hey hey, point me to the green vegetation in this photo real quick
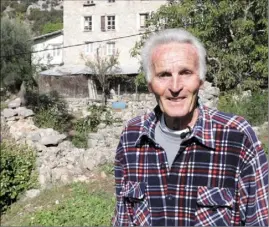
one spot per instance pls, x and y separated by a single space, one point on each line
46 21
254 108
16 46
234 32
50 111
78 204
82 127
17 172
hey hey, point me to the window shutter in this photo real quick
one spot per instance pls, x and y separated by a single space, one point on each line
103 23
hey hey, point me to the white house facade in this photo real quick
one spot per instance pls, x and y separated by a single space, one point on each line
47 49
104 25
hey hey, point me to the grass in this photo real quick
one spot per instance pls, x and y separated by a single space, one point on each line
77 204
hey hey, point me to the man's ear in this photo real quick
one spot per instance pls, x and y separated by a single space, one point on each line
149 87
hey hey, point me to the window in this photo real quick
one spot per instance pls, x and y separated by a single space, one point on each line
88 23
108 23
110 48
88 48
56 50
89 3
143 19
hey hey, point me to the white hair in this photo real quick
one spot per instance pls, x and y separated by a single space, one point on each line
167 36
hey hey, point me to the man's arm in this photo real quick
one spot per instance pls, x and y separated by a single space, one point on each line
253 189
121 217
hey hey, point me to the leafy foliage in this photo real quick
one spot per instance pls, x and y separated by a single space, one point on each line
50 111
82 127
234 33
15 55
51 27
82 209
17 171
254 108
46 21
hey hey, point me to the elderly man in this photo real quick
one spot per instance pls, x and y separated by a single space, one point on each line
185 164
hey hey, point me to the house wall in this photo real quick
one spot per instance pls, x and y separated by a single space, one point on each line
66 86
127 23
49 57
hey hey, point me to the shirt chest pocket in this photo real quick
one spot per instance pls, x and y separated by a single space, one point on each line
214 206
134 194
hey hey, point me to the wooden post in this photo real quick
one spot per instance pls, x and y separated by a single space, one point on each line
118 90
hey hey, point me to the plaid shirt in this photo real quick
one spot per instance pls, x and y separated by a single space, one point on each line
218 178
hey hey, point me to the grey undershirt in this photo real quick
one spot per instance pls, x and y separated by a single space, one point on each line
168 139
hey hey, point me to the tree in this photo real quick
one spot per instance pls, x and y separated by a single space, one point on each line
16 46
234 33
103 69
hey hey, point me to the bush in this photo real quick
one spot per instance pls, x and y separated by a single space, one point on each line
16 171
254 108
50 111
88 124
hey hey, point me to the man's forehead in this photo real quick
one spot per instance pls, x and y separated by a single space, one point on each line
172 52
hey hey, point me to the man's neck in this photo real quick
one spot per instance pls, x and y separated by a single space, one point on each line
181 123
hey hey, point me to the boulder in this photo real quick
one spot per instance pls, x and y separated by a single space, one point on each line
14 103
32 193
22 111
52 139
7 113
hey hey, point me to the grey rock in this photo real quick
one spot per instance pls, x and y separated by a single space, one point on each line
32 193
52 139
22 111
7 113
14 103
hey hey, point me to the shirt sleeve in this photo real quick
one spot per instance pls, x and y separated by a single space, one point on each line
253 188
121 217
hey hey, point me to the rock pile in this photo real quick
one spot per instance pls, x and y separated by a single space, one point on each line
58 160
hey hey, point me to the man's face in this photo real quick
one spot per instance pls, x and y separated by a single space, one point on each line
175 78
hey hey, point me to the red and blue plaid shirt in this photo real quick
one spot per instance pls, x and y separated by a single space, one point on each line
218 178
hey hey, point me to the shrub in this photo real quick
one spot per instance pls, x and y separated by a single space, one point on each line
16 171
254 108
50 111
88 124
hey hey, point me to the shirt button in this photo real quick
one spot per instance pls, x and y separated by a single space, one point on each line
163 166
170 197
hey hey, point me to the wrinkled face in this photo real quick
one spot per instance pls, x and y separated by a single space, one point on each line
175 78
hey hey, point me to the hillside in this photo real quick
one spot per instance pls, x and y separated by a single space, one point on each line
41 16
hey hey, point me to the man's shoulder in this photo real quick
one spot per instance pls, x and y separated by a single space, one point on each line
231 122
140 120
227 119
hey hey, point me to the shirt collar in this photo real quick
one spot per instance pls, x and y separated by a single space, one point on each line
202 130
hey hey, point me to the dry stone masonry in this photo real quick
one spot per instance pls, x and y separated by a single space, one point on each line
58 160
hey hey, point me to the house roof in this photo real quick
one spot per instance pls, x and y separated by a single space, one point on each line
59 32
65 70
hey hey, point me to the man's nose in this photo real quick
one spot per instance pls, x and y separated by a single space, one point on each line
175 84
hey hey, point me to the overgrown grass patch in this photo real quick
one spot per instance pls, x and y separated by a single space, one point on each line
78 204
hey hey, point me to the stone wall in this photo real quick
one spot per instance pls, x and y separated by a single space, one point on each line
143 101
58 160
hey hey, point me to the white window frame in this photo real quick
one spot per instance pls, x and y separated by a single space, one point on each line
143 17
110 48
111 19
87 19
108 23
88 48
56 50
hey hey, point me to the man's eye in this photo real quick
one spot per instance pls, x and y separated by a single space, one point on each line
185 72
164 74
